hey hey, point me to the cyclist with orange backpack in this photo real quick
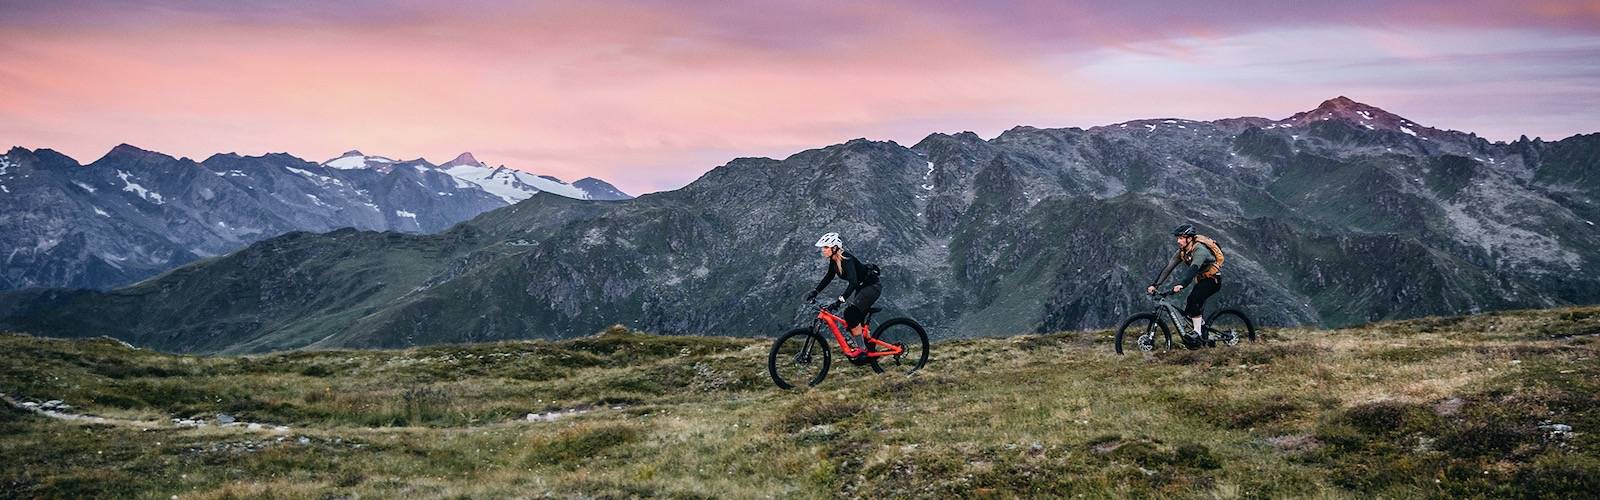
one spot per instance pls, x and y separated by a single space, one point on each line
1201 261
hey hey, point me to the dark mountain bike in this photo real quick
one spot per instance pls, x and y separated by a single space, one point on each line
801 356
1150 330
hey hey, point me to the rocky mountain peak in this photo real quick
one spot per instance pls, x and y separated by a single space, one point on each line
127 153
463 159
1349 110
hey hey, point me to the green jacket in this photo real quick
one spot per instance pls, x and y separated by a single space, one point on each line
1200 257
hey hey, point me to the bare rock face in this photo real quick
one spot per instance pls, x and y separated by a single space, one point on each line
1340 215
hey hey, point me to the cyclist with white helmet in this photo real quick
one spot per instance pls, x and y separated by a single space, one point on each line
862 288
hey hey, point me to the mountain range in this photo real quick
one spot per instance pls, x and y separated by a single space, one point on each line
134 213
1340 215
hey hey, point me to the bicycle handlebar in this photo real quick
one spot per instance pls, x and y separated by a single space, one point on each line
829 306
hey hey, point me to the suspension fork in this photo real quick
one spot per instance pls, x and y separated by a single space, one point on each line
811 340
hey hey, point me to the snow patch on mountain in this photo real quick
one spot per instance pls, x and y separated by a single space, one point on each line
511 185
321 179
135 188
552 185
352 160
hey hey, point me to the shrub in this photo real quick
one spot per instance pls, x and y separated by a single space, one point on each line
573 445
814 409
423 404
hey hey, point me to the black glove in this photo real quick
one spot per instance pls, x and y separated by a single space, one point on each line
811 297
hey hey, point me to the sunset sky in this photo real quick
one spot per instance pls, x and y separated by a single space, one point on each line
649 95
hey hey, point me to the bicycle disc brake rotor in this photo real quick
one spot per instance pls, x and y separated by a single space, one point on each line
1229 337
1147 342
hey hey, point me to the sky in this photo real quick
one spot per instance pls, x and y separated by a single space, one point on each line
650 95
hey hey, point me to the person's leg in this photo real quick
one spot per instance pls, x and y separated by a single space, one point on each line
1193 308
853 317
863 299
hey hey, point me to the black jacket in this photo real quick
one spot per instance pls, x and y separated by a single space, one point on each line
855 274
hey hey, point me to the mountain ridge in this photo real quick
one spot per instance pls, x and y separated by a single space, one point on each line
1328 223
133 213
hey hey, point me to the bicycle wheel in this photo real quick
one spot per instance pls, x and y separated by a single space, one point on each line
799 356
1230 326
1142 332
912 340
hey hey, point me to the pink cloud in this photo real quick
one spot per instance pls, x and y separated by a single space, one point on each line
650 95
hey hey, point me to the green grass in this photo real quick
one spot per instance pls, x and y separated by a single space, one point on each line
1434 407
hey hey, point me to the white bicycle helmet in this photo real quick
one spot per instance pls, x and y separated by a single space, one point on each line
830 240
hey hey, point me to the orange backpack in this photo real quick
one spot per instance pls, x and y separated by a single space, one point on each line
1216 267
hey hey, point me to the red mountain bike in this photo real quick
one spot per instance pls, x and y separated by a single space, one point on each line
801 356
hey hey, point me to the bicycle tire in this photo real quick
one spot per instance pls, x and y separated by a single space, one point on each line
1141 322
912 338
791 345
1240 318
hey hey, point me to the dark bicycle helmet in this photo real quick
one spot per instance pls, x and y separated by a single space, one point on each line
1184 230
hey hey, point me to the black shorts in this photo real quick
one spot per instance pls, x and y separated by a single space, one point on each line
1203 289
857 304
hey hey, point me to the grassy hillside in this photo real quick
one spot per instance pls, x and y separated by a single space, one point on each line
1441 407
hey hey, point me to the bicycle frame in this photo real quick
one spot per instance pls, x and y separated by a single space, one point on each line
836 323
1175 314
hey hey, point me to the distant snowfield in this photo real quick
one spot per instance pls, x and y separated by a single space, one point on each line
505 183
352 162
512 185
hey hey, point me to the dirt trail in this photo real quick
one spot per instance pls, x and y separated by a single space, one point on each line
57 410
60 411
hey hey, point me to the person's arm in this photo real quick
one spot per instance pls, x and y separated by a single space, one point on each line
1204 259
1164 272
1198 260
826 279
